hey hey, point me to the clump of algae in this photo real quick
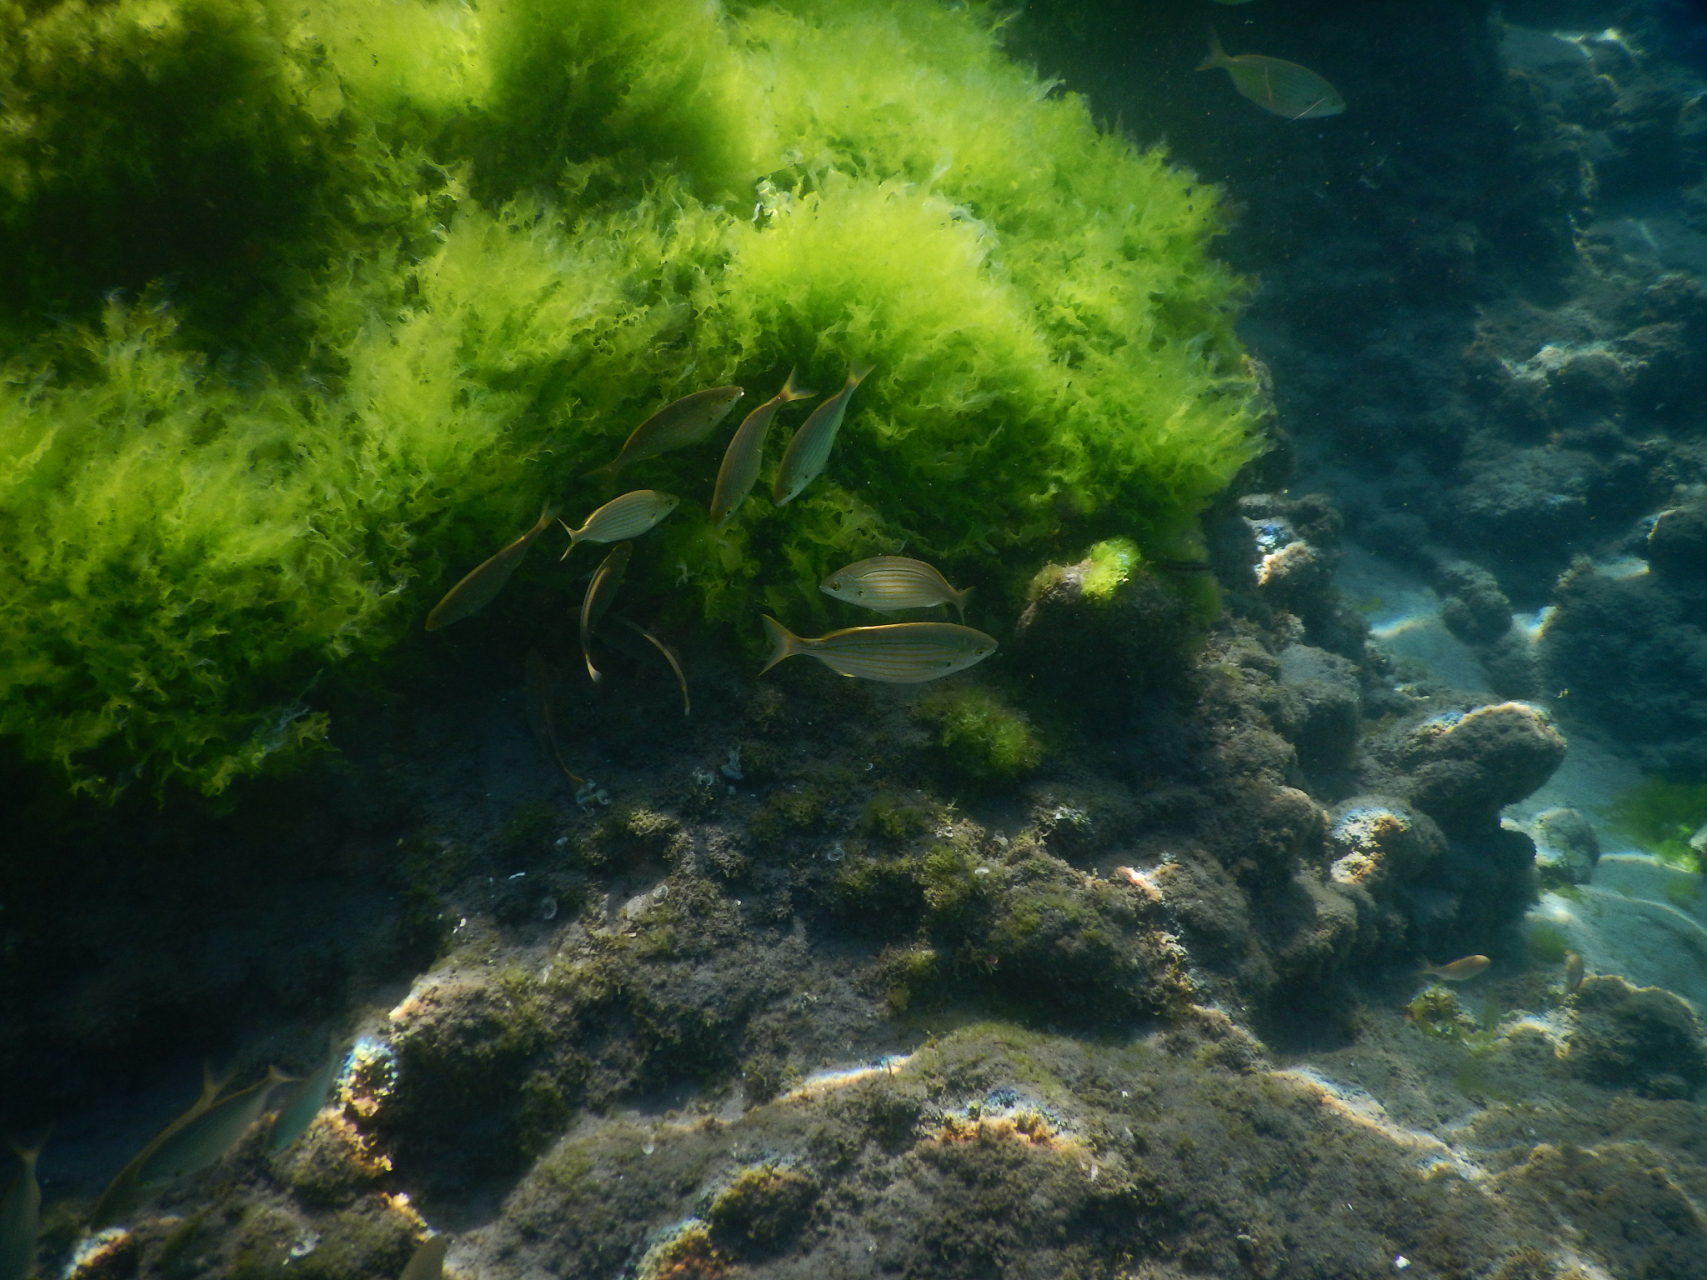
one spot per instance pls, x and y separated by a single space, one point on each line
314 304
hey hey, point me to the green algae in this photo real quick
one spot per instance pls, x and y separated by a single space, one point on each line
982 737
425 265
1661 817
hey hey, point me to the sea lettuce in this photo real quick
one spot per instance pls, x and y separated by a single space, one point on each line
313 304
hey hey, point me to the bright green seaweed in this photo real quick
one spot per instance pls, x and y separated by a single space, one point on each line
389 274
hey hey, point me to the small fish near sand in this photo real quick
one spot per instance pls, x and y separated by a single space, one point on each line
480 587
808 453
600 592
1458 971
675 426
888 583
623 518
20 1218
740 469
1285 88
900 653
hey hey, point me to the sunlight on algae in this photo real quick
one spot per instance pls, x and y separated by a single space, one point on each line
387 277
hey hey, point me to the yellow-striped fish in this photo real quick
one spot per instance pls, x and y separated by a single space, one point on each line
900 653
307 1100
746 450
622 518
669 657
125 1189
1284 88
1458 971
428 1263
803 461
210 1136
600 592
887 583
20 1218
478 589
676 425
540 687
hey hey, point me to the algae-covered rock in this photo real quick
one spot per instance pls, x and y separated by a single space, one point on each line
383 280
1639 1038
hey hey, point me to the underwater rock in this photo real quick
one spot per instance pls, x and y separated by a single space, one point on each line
1566 847
1375 841
1298 545
1103 631
1325 707
1462 768
1677 544
1474 608
1639 1038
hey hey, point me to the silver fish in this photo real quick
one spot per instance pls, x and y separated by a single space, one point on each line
600 591
20 1218
428 1262
887 583
207 1139
623 518
900 653
803 461
669 657
477 590
307 1100
1285 88
676 425
740 467
125 1189
541 686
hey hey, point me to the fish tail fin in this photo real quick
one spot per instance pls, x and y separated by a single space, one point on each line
1217 55
784 643
27 1155
609 469
547 514
859 370
791 392
574 537
959 600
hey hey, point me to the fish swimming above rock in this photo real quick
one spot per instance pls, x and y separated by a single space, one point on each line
600 592
478 588
669 657
195 1140
541 684
623 518
20 1218
887 583
1284 88
1458 971
675 426
900 653
740 469
307 1099
804 459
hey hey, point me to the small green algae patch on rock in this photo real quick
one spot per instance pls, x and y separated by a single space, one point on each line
425 266
1108 565
983 738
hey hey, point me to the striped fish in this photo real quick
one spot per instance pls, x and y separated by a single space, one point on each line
1285 88
746 450
676 425
900 653
482 585
600 592
622 518
803 461
887 583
